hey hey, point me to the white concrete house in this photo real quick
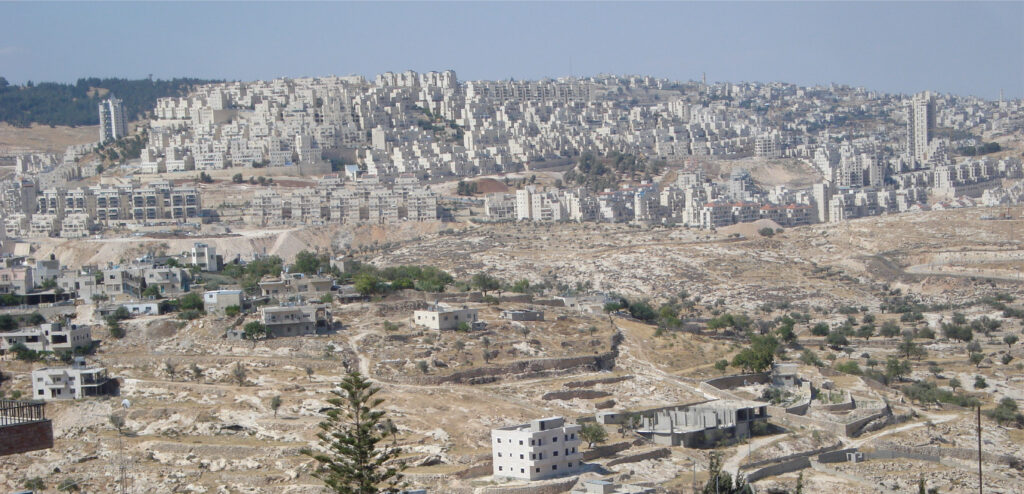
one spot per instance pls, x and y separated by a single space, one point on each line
539 449
49 337
444 317
68 383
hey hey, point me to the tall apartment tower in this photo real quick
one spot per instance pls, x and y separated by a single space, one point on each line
920 122
113 120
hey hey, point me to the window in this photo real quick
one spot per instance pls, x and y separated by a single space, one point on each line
554 467
570 464
520 457
522 470
499 455
538 469
555 453
499 439
533 456
521 442
501 468
554 439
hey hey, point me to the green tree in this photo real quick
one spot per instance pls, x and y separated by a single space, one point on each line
820 329
721 365
351 458
485 282
232 310
896 368
759 356
34 484
889 329
309 263
866 331
836 340
367 284
1010 339
197 372
8 323
275 403
976 358
255 330
152 291
980 382
191 301
593 433
1006 413
955 383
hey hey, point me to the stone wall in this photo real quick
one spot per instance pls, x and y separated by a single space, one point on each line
837 456
522 369
608 450
957 453
646 455
569 394
756 464
779 468
545 487
593 382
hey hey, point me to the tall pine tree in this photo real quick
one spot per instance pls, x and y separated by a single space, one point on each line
350 459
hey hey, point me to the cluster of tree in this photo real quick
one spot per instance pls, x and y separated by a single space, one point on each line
638 309
738 322
986 148
466 188
248 275
370 280
10 299
10 323
1006 413
311 263
925 392
602 173
52 103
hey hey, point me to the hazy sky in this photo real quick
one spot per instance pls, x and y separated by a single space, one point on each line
964 48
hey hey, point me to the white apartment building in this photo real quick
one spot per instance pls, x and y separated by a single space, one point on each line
539 449
920 122
68 383
48 337
205 256
113 120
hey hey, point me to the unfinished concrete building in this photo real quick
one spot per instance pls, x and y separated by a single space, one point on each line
702 424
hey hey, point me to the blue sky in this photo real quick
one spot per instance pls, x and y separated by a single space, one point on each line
965 48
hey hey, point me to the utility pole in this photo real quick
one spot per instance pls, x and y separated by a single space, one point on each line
980 485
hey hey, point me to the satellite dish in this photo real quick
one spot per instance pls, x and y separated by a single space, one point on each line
125 403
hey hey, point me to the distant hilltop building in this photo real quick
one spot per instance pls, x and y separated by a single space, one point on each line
113 120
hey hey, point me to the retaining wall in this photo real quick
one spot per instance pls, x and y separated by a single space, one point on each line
779 469
958 453
583 394
593 382
838 456
793 456
607 450
646 455
548 487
